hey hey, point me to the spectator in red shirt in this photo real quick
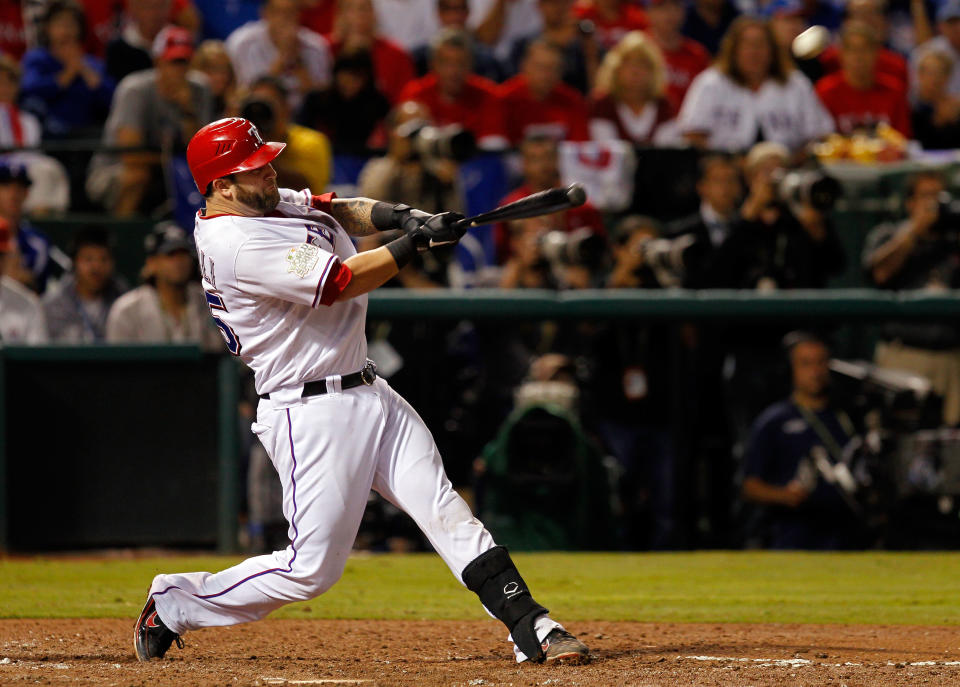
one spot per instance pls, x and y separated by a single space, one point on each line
103 18
612 19
630 104
684 57
541 171
858 97
318 15
355 29
454 95
889 62
537 102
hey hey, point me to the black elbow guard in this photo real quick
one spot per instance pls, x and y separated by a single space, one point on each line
495 579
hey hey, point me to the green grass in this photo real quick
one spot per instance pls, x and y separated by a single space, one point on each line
894 588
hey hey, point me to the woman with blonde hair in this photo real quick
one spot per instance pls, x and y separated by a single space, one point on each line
629 102
752 92
212 59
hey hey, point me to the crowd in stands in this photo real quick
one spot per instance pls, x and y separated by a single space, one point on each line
395 99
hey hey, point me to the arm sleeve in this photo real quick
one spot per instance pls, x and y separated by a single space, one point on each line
818 121
695 112
306 198
39 77
287 267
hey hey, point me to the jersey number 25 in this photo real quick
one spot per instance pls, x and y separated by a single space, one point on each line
215 303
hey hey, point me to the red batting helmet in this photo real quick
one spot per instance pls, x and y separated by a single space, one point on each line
227 146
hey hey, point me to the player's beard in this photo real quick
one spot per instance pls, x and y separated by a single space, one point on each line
262 202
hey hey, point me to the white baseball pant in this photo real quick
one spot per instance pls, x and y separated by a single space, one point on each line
329 451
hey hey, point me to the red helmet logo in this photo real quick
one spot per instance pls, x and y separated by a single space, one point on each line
225 147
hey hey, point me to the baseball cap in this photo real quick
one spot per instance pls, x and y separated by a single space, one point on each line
166 238
776 8
949 10
13 172
6 236
173 43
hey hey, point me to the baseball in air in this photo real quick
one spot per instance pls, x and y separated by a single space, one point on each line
811 43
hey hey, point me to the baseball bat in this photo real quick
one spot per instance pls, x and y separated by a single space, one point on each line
534 205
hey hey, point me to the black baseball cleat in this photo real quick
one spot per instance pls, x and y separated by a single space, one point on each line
151 638
562 647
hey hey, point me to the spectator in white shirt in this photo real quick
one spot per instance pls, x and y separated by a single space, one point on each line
277 45
752 93
948 25
21 316
171 307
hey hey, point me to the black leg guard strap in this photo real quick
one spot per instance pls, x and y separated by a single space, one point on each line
494 578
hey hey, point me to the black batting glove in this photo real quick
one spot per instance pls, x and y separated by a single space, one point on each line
439 230
386 216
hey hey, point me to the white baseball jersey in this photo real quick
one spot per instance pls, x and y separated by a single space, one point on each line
270 284
789 113
21 316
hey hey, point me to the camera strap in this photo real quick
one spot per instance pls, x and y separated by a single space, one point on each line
826 438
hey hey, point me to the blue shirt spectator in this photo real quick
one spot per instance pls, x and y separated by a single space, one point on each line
68 90
221 17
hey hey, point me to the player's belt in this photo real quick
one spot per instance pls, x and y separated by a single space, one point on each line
365 377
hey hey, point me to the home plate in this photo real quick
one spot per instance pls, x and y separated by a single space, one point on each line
320 681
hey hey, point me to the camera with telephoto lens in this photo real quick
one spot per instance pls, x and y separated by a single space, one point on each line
667 257
260 112
811 187
578 247
947 225
450 142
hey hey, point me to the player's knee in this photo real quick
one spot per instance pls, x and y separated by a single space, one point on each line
315 580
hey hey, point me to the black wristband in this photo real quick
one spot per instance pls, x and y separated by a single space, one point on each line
385 216
403 250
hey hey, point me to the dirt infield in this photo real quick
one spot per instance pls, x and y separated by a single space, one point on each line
348 652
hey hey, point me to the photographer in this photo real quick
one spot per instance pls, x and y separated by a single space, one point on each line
630 396
712 226
800 459
540 167
410 172
783 242
630 269
307 157
921 252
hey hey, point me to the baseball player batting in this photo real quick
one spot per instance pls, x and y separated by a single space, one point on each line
288 291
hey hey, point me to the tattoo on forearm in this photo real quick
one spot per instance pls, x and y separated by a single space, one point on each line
354 215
